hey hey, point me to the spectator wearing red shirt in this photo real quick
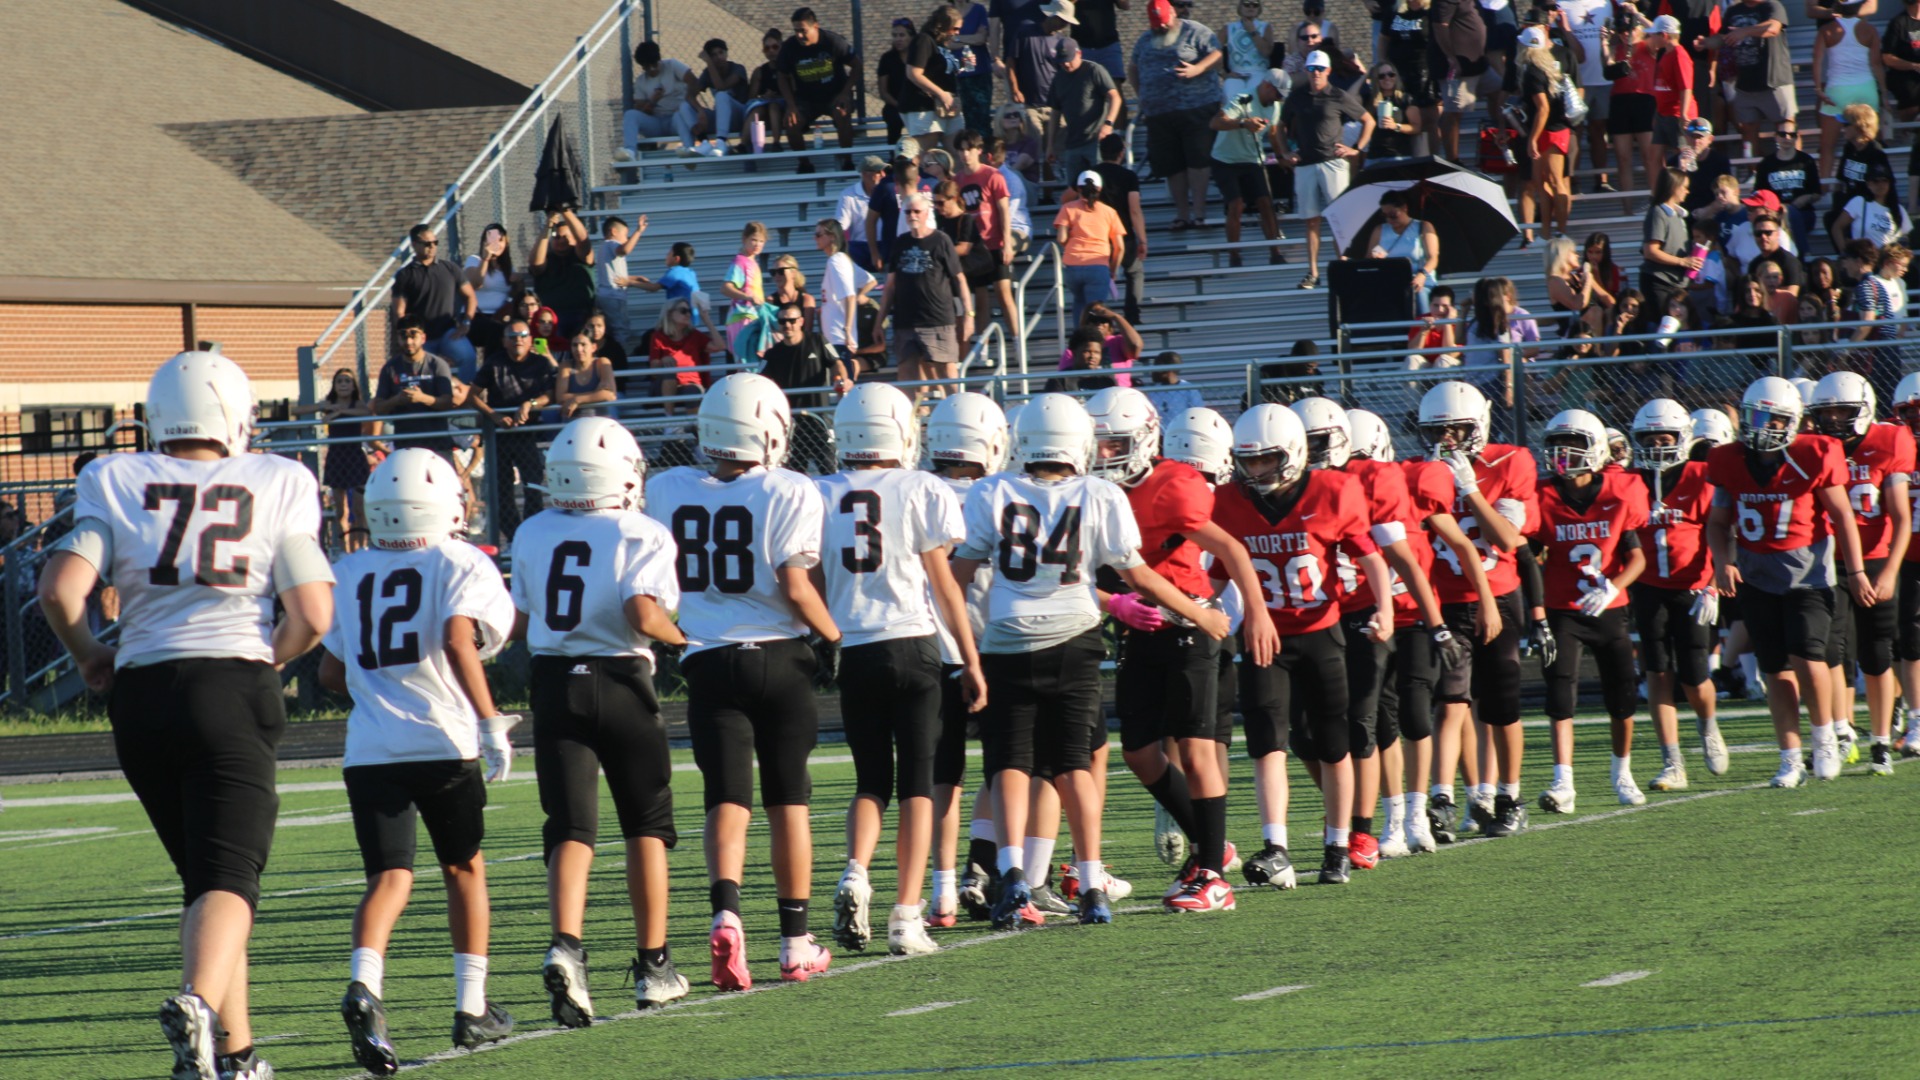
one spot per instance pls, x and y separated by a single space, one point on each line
674 343
1673 101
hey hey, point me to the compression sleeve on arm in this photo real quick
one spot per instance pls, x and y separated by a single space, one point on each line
299 561
92 540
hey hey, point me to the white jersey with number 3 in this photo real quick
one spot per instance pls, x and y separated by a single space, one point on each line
390 612
575 570
1045 540
730 536
878 524
194 546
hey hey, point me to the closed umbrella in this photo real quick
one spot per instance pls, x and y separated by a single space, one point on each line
559 183
1468 212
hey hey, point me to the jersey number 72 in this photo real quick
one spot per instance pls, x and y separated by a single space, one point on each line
185 498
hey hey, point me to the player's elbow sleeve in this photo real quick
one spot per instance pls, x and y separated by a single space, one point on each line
300 561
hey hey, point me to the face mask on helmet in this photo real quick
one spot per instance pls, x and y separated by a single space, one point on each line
1658 450
1266 473
1453 436
1908 413
1768 426
1572 455
1327 449
1841 421
1115 457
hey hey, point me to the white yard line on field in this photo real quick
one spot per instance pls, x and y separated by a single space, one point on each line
931 1006
1262 995
1616 979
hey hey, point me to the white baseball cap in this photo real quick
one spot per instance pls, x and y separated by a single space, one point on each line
1090 177
1665 24
1533 37
1318 59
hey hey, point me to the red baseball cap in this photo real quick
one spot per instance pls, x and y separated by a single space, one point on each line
1763 200
1160 14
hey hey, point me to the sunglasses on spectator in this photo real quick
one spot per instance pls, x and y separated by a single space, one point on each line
1766 232
790 322
428 243
519 333
1384 75
1309 37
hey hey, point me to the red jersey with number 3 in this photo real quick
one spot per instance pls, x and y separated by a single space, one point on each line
1885 450
1390 511
1507 476
1294 557
1584 543
1674 537
1429 492
1169 504
1777 514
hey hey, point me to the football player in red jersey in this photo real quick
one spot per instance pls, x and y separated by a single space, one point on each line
1589 514
1330 445
1291 520
1166 686
1906 411
1674 603
1770 490
1879 457
1496 506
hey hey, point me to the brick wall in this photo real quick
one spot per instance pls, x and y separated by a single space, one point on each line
45 347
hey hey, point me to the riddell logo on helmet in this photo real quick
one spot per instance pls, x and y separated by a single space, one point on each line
565 503
181 429
409 543
863 455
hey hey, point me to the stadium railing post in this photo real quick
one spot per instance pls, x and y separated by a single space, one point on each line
1784 352
16 623
308 373
589 148
1518 376
490 449
626 57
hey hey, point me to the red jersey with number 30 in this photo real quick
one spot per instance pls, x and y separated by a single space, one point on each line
1507 474
1777 514
1583 543
1674 540
1294 557
1391 513
1886 449
1429 492
1169 504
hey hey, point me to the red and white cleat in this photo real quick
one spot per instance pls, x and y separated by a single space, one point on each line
1206 891
803 963
728 943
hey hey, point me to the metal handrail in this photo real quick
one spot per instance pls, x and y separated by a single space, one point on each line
1050 253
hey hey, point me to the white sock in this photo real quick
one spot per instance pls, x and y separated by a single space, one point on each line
1416 806
982 829
1824 733
1511 791
1750 667
1883 740
1670 754
1441 790
1843 726
1274 834
1336 837
1622 767
945 884
1484 793
1789 757
470 978
1563 775
1093 874
1039 854
1396 812
370 970
1012 858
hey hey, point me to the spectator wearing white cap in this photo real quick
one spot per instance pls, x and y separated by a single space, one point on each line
1549 139
1245 128
1672 86
1085 103
851 211
1313 117
1092 240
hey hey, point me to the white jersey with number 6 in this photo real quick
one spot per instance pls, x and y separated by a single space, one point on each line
575 570
1044 540
194 547
390 612
878 524
730 536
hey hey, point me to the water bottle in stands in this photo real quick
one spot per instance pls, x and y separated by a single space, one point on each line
1668 325
757 135
1699 252
1688 161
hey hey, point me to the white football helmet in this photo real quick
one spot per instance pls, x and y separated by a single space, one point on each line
1576 443
414 500
1906 400
1662 416
1712 426
1843 405
1329 438
1770 414
1123 416
1371 439
875 422
1617 447
1203 439
595 464
1454 416
1270 429
1805 388
968 427
200 395
1053 429
745 417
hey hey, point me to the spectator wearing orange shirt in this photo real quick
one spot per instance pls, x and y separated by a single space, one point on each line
1091 243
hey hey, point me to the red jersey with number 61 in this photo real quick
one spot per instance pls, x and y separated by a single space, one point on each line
1429 492
1294 557
1777 514
1886 449
1391 513
1507 476
1677 554
1584 543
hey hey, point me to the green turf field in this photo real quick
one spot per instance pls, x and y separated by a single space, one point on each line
1765 928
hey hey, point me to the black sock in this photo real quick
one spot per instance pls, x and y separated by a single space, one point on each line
983 854
1170 791
1210 833
724 895
568 940
793 918
1363 823
239 1055
656 957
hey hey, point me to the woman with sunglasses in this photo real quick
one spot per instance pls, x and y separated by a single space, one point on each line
1249 43
1399 125
1406 44
674 343
764 101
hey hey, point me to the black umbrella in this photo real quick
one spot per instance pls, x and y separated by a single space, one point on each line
1468 212
559 183
1408 168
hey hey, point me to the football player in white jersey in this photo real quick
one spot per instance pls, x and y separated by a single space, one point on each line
416 614
593 580
747 536
889 528
199 537
1046 528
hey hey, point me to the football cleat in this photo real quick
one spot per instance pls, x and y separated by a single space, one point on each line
1094 909
804 962
654 986
1628 791
1014 909
1393 842
366 1021
1910 742
470 1030
1227 865
1270 867
1713 746
565 973
1882 763
248 1066
1826 758
1334 867
1672 778
1168 841
1207 891
908 937
1481 813
1050 902
942 919
1441 813
1791 775
1118 888
1509 816
191 1029
973 893
1849 742
1558 799
852 917
1069 876
728 944
1420 834
1363 851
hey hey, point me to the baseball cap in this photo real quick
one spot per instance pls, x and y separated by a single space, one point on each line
1533 37
1665 24
1318 61
1279 80
1069 50
1160 14
1090 177
1063 10
1763 200
1699 125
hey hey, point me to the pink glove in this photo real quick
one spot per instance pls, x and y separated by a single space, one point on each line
1135 612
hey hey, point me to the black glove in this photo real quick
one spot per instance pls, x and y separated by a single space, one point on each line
1451 651
826 660
1543 641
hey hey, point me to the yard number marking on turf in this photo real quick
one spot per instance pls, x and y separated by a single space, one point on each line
1617 978
1262 995
1809 813
929 1007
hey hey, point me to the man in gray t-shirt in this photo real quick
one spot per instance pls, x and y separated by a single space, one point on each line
1085 102
1176 66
